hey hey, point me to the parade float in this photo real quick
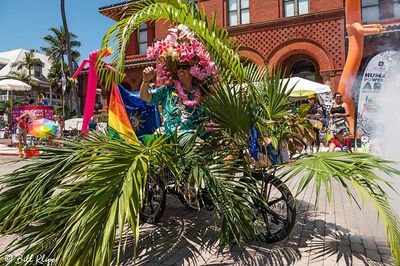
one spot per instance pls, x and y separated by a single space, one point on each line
103 183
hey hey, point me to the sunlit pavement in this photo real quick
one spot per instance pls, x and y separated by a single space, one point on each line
331 233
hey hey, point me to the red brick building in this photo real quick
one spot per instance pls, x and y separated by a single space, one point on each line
386 13
306 37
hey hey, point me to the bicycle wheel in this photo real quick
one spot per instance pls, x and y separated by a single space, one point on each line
279 217
154 202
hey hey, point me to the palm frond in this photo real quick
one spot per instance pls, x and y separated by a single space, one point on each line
357 174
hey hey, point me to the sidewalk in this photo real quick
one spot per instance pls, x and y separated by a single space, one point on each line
5 150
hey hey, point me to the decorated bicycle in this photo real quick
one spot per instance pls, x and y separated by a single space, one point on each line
106 184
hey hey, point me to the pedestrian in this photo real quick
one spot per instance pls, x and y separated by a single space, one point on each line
43 99
338 113
29 100
316 114
22 129
93 124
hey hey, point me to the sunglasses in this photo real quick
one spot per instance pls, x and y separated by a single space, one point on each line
338 97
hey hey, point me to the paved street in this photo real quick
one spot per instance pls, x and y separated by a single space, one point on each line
331 233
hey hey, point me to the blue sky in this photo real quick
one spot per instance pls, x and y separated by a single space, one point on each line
25 22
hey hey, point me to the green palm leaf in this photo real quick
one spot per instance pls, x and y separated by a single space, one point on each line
357 174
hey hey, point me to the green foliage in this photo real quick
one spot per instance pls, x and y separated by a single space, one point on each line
103 118
28 62
58 110
4 105
57 48
357 174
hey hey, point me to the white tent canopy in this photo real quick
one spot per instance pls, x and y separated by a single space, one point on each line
14 85
301 84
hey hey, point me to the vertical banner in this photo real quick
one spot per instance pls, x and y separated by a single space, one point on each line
374 83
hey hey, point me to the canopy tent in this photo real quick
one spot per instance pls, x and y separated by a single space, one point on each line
304 87
13 85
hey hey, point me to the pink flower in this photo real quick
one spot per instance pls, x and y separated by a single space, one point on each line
181 46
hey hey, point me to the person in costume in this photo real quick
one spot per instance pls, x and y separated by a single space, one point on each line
182 64
180 101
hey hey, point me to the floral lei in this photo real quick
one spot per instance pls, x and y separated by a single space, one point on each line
183 96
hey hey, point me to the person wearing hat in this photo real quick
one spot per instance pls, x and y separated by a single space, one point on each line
315 113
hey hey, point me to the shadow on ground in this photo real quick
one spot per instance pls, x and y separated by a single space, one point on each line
191 237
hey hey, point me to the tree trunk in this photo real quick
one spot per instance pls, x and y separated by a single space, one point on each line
75 100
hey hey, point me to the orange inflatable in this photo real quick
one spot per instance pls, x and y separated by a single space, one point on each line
356 32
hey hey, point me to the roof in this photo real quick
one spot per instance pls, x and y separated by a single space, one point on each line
115 11
12 56
138 62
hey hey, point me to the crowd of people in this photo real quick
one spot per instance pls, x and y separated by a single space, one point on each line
41 100
334 123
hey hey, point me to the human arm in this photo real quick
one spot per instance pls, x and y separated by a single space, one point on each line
148 75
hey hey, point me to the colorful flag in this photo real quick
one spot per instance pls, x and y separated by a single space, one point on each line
144 118
118 120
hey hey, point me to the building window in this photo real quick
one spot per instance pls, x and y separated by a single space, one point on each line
396 8
370 10
37 71
238 12
295 7
142 39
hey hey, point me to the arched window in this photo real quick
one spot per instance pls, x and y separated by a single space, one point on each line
303 69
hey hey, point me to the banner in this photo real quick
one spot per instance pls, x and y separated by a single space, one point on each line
36 111
370 124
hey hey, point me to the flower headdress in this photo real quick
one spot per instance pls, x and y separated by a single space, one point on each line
180 47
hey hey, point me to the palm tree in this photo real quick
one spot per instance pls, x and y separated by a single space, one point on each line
24 76
75 99
57 48
101 181
28 62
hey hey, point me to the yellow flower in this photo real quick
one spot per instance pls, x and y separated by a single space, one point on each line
175 55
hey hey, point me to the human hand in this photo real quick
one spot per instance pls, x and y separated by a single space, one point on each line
148 73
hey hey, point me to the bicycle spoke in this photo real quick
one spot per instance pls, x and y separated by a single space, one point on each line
272 202
277 216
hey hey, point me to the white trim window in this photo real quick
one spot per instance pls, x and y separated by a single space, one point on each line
142 38
238 12
295 7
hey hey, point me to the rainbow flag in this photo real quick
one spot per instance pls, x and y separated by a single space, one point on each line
119 124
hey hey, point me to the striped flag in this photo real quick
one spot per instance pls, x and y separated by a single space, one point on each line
118 121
